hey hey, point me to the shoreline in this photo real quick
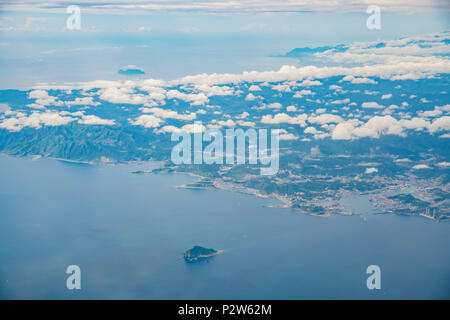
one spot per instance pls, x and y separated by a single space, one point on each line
217 184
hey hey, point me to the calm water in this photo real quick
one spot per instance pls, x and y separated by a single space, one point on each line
128 232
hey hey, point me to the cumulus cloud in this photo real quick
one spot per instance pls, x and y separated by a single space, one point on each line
250 97
312 130
124 95
284 118
414 124
282 87
193 128
192 98
355 80
215 90
254 87
94 120
291 108
344 131
147 121
42 98
85 101
325 118
382 125
420 166
275 105
287 136
168 129
243 115
243 123
444 164
440 124
371 170
217 124
302 93
373 128
35 120
320 110
309 83
165 113
437 111
189 128
372 105
343 101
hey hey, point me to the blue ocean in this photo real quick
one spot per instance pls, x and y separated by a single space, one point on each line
128 233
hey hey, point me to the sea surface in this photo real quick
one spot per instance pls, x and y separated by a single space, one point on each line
128 232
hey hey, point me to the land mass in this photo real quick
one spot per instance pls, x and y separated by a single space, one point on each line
198 253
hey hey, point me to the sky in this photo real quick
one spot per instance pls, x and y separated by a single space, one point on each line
154 55
172 39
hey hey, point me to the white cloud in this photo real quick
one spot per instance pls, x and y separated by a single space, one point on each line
309 83
420 166
275 105
355 80
440 124
215 90
371 170
147 121
193 128
320 110
168 129
284 118
287 136
291 108
92 120
377 126
312 130
282 87
243 123
254 87
431 113
373 128
43 99
403 70
165 113
344 101
402 160
444 164
122 95
302 93
414 123
243 115
372 105
325 118
35 120
192 98
217 124
343 131
250 97
85 101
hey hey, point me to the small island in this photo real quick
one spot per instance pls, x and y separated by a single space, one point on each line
198 253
